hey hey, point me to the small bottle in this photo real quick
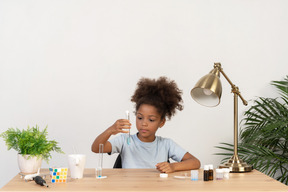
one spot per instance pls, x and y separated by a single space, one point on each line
194 175
206 173
210 172
219 174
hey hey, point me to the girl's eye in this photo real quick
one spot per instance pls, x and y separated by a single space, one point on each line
151 120
139 118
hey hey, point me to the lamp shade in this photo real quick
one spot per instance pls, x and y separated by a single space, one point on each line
208 89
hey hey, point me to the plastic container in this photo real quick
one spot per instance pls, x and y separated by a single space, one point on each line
226 174
219 174
194 175
163 175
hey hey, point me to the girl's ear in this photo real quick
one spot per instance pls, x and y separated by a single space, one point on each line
162 122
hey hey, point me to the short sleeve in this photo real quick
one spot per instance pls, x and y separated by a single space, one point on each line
117 143
175 151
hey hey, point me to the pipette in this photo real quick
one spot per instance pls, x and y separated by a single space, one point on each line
40 181
128 117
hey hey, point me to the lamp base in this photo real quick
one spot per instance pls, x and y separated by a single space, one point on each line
236 165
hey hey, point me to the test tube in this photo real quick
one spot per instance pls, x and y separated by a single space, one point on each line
100 162
128 117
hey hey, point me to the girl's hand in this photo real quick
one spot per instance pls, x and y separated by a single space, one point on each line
165 167
120 126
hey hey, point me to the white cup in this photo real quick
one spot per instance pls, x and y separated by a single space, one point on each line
76 165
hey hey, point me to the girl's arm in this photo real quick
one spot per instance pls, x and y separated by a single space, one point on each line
188 162
116 128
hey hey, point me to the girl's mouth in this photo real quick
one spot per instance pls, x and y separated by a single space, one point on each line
143 130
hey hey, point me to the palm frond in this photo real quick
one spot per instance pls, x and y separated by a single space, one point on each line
282 86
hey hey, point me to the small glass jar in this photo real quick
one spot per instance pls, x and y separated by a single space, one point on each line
226 173
219 174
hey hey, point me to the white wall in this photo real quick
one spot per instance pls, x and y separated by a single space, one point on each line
73 65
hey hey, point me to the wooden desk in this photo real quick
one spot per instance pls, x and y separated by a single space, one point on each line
149 180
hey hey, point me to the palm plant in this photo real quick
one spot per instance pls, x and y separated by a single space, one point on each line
264 135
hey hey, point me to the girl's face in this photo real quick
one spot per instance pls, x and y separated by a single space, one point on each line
148 120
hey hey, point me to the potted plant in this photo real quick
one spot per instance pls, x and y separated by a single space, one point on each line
32 146
264 135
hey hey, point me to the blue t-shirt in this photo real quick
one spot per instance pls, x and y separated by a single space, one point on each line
140 154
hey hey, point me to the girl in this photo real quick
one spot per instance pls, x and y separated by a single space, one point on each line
155 101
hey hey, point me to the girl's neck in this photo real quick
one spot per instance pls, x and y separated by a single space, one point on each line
146 140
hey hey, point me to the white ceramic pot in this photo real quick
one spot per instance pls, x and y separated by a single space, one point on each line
29 164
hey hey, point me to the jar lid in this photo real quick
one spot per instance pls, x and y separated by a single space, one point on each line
226 170
163 175
219 170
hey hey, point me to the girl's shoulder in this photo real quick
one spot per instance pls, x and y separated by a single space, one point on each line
164 140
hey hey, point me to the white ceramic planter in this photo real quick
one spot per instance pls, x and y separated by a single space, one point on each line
29 165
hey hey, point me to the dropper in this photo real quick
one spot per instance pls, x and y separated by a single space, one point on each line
128 117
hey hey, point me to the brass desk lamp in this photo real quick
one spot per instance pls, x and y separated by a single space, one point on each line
207 92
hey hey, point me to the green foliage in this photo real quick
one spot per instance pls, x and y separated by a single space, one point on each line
31 141
264 135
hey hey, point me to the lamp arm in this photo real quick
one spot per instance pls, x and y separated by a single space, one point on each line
235 89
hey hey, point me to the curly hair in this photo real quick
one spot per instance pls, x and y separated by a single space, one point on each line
161 93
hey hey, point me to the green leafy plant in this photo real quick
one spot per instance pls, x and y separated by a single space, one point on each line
264 135
31 141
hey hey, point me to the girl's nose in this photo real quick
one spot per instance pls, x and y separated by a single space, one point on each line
144 123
